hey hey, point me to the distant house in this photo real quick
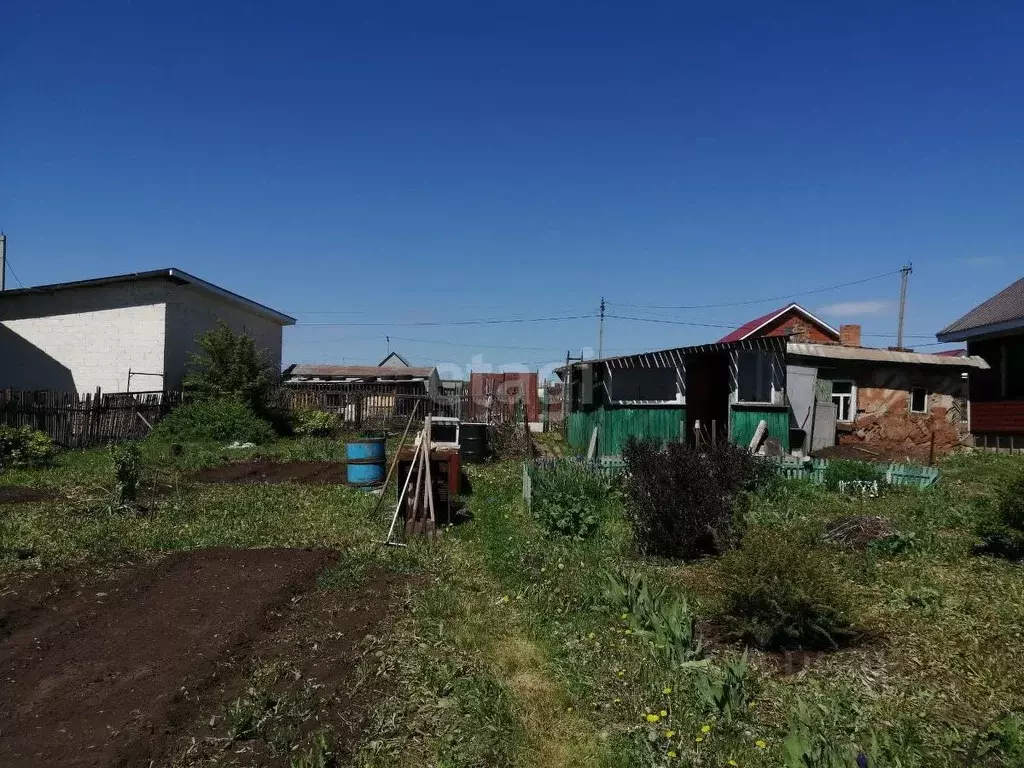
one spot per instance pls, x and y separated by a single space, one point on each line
994 330
405 379
125 332
811 395
394 360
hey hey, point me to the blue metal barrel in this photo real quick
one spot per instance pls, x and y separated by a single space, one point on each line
367 461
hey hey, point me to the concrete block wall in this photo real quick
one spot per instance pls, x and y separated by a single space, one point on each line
82 339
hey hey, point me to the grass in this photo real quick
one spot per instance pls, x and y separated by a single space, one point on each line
510 654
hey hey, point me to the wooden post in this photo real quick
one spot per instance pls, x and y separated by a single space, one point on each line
931 449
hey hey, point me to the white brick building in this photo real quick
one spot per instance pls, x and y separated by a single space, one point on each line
91 333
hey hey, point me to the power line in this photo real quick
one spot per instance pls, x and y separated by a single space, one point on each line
421 323
758 301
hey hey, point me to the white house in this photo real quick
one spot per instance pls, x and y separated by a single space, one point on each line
99 333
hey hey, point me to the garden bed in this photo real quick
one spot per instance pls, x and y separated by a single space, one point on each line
156 650
267 471
20 494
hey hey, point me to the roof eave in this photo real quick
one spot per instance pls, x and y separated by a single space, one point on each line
981 331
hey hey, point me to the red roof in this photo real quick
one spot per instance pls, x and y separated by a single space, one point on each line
952 353
749 327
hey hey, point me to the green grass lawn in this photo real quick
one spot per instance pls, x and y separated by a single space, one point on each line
509 654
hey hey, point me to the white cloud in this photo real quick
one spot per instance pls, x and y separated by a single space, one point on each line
983 261
857 308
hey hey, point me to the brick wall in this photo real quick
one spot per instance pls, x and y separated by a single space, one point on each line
800 328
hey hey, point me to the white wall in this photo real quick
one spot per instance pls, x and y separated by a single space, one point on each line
82 339
191 312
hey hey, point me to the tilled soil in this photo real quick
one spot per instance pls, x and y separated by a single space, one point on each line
266 471
116 673
17 494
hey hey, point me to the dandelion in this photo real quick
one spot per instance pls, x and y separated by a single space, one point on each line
653 718
622 672
504 598
664 713
699 739
760 744
669 734
733 763
568 709
705 729
627 632
671 753
666 690
618 700
624 616
561 566
752 705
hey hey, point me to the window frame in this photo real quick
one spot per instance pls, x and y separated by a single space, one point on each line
851 397
765 365
910 400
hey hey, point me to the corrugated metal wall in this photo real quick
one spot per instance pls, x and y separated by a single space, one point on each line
745 421
617 424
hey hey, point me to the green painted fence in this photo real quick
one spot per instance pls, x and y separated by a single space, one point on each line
745 421
893 473
615 425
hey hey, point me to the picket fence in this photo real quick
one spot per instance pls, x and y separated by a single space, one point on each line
912 475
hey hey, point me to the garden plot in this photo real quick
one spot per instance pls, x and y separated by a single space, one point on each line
119 672
267 471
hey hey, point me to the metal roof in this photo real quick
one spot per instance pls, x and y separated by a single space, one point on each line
173 274
867 354
358 372
1003 312
670 358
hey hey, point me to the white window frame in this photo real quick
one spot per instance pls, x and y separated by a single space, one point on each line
776 377
852 410
910 400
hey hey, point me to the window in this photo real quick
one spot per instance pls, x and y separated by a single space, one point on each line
844 395
918 400
754 377
660 385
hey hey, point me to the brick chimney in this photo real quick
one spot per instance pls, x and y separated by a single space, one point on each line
849 335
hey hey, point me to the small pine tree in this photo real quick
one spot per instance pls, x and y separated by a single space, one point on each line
232 366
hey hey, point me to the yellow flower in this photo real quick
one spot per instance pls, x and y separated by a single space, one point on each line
569 709
760 744
664 713
705 729
590 636
622 672
653 718
627 632
624 616
752 705
666 690
699 739
733 762
671 753
618 701
669 734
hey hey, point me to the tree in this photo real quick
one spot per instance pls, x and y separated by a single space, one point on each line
231 366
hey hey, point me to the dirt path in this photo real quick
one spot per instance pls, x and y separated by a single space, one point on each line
104 676
267 471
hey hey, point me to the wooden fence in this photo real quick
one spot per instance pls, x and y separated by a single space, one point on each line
75 421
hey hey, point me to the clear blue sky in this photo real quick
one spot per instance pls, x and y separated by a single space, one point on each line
409 162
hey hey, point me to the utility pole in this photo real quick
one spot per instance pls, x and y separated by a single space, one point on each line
3 260
904 275
600 333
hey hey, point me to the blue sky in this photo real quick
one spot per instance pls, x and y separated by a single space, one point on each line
428 162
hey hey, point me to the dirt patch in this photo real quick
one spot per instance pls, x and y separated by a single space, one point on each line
873 452
107 675
20 494
266 471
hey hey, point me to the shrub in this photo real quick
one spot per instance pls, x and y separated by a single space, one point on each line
1003 535
568 499
24 447
127 462
232 366
781 593
313 422
844 470
218 419
683 502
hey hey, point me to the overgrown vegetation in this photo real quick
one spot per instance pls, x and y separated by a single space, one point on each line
569 498
781 593
24 447
215 419
847 470
127 464
231 368
686 503
1003 535
313 422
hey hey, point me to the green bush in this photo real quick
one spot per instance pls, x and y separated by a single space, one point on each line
568 498
127 461
24 447
1003 534
213 420
844 470
687 503
312 422
781 593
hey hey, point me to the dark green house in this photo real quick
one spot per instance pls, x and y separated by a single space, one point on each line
721 390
